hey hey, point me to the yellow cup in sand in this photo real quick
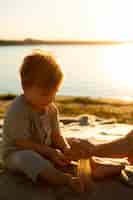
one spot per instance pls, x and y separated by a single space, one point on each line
84 172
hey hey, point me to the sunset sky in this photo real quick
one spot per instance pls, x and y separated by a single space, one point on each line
66 19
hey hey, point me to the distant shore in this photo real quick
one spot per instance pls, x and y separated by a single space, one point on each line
120 110
30 41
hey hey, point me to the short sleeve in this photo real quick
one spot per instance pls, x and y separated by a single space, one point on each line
55 119
16 126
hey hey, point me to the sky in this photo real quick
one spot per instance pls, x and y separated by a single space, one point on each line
66 19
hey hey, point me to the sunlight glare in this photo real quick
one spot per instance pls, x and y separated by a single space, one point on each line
127 99
118 64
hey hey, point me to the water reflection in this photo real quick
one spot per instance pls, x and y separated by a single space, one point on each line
118 64
97 71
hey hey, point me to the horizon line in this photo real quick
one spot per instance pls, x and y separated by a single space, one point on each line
50 40
34 41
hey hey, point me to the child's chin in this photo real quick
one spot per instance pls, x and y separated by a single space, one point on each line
44 108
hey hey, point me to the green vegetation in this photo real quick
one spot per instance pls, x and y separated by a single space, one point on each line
120 110
7 96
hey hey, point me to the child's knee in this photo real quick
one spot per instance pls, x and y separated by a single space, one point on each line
29 163
18 159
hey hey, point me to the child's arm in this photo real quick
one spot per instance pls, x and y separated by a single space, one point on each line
39 148
50 153
60 142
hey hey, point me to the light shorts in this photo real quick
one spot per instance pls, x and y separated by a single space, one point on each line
28 162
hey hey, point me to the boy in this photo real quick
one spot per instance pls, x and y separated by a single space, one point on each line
32 142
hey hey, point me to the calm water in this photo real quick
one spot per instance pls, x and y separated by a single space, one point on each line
97 71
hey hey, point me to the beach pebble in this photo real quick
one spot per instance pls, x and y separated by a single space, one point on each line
84 120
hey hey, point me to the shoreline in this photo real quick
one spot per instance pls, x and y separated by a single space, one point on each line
100 99
72 106
31 41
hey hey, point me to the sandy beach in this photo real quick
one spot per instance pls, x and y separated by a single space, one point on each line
97 129
109 188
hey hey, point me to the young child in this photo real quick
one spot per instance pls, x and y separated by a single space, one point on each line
32 141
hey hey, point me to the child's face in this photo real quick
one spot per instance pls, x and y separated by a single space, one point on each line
39 98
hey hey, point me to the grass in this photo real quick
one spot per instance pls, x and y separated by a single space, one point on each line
120 110
7 96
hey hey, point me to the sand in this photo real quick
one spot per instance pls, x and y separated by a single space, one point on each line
14 187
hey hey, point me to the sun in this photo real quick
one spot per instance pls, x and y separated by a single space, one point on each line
127 99
118 64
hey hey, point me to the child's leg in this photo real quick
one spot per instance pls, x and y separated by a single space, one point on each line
35 166
57 177
54 176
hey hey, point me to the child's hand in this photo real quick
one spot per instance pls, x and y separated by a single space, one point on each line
68 153
71 154
79 150
59 158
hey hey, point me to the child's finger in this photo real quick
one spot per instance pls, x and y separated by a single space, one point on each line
61 163
65 159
